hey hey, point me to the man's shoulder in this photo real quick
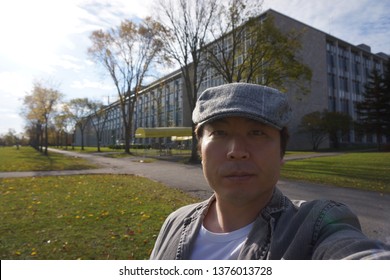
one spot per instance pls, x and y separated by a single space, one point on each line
324 211
321 206
189 210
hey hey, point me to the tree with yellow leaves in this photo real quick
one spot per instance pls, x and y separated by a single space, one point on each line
39 109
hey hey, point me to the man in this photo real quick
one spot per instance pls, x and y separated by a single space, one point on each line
242 136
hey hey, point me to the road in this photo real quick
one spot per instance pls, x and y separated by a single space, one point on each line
372 208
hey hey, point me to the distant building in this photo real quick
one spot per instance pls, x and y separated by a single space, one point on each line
339 73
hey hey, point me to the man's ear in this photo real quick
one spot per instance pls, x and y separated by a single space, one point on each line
282 161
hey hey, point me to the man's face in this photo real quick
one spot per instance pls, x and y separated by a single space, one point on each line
241 159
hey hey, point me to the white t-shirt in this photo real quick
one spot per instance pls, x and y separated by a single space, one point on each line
219 246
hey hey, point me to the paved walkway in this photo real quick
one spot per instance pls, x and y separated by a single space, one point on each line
372 208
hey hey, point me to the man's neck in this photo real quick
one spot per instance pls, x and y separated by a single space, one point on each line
227 217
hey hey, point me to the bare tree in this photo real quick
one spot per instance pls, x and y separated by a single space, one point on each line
187 27
64 124
40 106
59 123
98 120
78 110
127 53
157 103
226 54
313 125
248 48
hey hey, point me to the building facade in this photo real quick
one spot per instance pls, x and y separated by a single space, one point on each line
339 72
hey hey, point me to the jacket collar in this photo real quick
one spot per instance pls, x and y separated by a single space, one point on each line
278 203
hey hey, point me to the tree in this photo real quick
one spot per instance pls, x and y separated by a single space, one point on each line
98 119
127 53
229 38
157 99
187 26
386 81
78 110
11 139
374 109
33 130
337 125
313 124
252 49
320 125
64 124
40 106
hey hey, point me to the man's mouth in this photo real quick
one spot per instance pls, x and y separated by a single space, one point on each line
239 175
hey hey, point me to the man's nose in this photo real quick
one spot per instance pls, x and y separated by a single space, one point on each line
237 149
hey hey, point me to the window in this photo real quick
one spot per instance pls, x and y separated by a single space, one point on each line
343 81
344 103
343 58
331 81
356 87
332 104
330 59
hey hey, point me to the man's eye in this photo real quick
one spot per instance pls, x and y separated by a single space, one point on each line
218 133
257 132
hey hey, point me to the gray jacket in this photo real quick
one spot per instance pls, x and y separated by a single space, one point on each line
320 229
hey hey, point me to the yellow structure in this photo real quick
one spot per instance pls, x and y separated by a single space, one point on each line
157 132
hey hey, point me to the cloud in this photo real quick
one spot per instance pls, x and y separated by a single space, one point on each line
13 84
68 62
13 87
35 32
45 37
12 121
355 26
360 21
88 84
104 14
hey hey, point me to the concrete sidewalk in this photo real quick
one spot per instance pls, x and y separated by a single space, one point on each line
372 208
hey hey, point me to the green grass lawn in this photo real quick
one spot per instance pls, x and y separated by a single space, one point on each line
367 171
83 217
28 159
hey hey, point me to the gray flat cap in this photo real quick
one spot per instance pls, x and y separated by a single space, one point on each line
257 102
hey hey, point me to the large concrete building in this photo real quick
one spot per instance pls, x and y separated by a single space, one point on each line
339 73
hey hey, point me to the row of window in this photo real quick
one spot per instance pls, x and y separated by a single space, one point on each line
352 61
160 107
348 71
355 87
343 106
354 67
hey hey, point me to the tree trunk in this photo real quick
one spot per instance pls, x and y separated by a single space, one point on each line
194 149
46 139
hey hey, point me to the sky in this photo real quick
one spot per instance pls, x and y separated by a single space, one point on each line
47 40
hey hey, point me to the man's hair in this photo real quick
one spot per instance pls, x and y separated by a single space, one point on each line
284 137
